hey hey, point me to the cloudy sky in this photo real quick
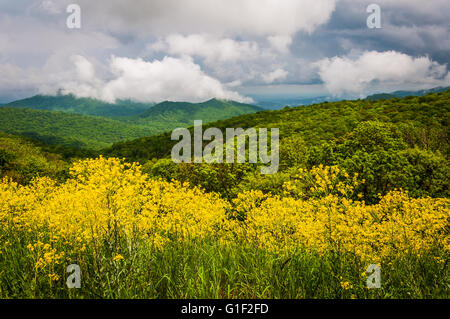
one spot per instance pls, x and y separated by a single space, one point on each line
193 50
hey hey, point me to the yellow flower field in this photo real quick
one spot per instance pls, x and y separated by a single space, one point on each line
107 199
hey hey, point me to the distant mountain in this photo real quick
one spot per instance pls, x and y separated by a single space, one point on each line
277 103
167 113
399 94
183 113
66 120
84 106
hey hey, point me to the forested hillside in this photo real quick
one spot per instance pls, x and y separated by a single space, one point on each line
164 115
398 143
69 129
22 160
66 120
428 115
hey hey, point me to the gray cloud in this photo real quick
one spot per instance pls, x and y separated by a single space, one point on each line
412 27
240 45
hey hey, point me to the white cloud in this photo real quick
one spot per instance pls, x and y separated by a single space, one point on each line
390 69
79 80
175 79
84 68
230 60
278 74
281 42
206 46
13 74
159 80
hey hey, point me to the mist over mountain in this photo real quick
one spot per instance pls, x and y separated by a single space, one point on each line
278 102
85 106
399 94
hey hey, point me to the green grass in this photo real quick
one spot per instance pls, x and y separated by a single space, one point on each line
206 269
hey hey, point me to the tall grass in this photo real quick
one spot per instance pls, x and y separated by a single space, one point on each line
208 269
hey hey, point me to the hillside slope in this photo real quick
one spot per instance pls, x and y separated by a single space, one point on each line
154 119
69 129
62 120
321 123
22 159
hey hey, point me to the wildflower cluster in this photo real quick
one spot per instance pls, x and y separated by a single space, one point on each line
107 199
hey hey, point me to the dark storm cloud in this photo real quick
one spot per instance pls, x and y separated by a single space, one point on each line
406 28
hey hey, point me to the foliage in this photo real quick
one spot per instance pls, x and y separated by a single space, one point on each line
424 119
401 143
378 153
64 120
68 129
125 230
22 161
360 182
223 179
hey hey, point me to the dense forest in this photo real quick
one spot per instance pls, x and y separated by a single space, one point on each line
397 143
66 129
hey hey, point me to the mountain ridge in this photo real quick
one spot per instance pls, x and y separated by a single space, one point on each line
123 109
84 106
402 93
185 112
61 124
